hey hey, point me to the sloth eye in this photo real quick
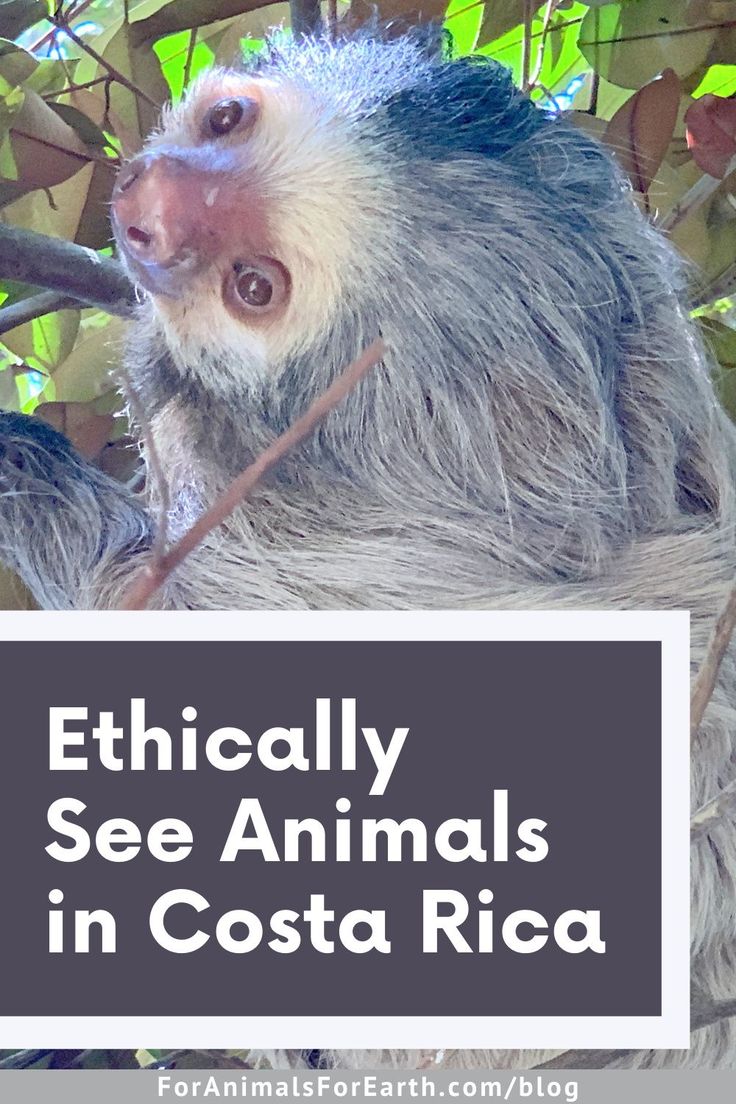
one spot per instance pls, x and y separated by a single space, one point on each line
226 115
256 287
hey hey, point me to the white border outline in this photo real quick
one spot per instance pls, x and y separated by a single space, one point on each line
669 1030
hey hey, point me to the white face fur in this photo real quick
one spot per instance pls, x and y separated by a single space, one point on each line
295 182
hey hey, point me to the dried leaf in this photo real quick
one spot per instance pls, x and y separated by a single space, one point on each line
87 431
711 133
640 132
94 230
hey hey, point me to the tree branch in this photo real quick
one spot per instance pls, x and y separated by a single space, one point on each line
707 676
155 574
186 14
70 270
112 72
34 306
703 1013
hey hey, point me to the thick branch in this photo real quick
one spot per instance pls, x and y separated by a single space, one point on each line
34 306
186 14
60 266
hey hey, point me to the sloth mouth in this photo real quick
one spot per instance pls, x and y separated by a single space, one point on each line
168 277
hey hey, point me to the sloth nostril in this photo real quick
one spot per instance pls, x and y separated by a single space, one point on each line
138 236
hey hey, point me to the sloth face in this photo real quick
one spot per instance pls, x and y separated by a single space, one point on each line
239 218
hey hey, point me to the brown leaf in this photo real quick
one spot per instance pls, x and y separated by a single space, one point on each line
87 431
641 130
46 150
711 133
94 230
121 459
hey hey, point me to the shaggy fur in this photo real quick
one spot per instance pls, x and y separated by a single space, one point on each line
543 431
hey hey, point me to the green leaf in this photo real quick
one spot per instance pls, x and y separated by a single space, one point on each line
173 51
16 64
44 342
721 339
463 21
720 80
630 43
85 373
87 130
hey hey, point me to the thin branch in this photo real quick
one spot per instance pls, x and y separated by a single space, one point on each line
109 69
713 812
154 575
34 306
161 536
595 87
191 46
73 14
725 25
60 266
526 44
549 11
332 19
67 91
703 1013
707 676
694 197
86 158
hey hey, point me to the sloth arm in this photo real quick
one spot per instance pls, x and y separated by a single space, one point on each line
67 529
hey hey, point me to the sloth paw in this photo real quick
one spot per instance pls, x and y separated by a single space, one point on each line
30 448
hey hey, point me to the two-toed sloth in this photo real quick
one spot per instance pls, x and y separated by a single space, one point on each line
542 431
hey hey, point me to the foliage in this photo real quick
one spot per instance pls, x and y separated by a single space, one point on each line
81 84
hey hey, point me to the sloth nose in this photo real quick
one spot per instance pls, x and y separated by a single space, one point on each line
179 214
156 208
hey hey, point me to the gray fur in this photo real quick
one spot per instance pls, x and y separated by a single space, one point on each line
543 432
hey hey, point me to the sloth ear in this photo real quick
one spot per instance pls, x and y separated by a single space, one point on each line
468 106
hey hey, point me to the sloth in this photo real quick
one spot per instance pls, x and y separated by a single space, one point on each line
542 431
